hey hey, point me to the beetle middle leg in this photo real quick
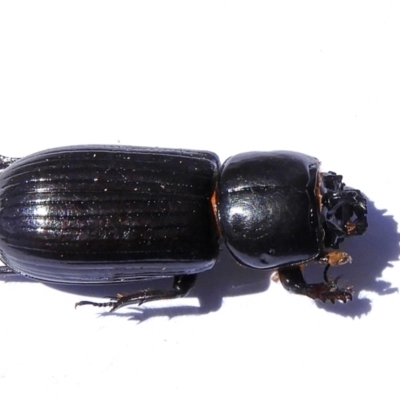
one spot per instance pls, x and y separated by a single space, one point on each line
180 288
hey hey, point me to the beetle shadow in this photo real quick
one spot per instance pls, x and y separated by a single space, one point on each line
371 253
226 278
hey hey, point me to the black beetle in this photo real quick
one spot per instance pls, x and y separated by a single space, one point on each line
107 214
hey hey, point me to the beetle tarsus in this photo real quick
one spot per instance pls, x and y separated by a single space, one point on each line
181 287
92 303
330 292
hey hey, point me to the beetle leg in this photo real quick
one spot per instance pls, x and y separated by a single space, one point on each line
334 258
6 270
292 280
275 276
180 288
6 161
326 278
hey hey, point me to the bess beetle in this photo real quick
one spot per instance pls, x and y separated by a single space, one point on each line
108 214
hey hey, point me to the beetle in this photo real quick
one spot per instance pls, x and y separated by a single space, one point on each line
109 214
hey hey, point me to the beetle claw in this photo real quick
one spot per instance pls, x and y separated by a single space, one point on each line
331 292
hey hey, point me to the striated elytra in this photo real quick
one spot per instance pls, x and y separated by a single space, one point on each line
108 214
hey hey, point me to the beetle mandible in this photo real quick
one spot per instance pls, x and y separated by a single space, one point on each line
108 214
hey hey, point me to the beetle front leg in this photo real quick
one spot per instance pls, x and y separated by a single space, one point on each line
334 258
180 288
292 280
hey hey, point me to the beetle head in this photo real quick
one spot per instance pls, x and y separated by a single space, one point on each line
344 210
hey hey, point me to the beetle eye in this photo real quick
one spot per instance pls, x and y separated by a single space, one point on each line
344 210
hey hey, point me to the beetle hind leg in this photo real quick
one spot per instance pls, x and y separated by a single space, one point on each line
180 288
6 161
292 280
4 270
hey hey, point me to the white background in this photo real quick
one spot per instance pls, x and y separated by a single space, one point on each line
320 77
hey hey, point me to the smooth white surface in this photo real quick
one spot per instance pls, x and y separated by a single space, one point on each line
319 77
